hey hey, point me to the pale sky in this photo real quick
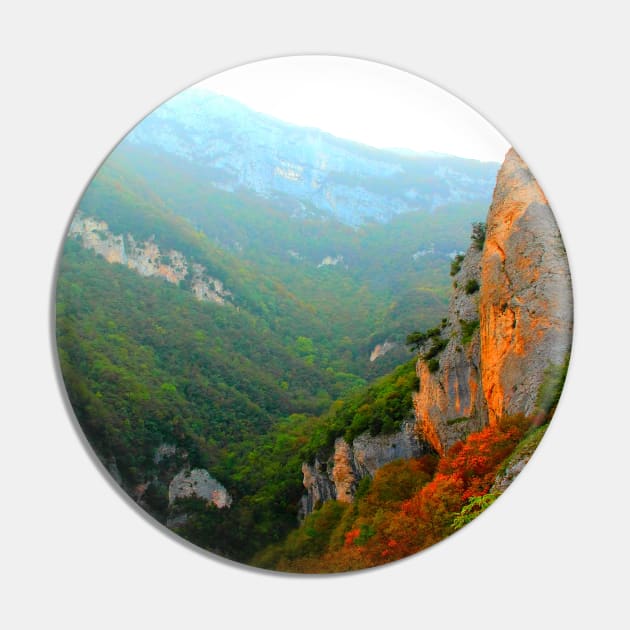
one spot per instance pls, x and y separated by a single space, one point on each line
363 101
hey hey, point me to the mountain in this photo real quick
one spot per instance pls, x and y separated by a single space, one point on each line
306 171
221 330
387 481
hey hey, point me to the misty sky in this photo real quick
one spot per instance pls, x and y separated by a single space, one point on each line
363 101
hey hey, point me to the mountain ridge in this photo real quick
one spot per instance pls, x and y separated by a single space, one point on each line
338 177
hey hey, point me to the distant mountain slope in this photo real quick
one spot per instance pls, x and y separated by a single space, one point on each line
393 276
303 169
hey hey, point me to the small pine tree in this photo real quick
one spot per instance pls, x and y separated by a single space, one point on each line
478 235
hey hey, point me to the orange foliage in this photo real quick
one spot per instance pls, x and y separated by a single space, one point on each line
475 461
351 536
403 527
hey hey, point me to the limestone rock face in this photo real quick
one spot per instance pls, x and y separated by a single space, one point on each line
523 307
338 477
381 349
449 403
146 258
525 302
198 482
318 485
343 473
207 289
95 235
372 452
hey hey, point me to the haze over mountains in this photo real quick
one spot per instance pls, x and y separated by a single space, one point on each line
305 170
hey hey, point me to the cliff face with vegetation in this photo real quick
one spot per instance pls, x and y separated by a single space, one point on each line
338 476
488 380
507 332
525 307
510 318
449 402
146 258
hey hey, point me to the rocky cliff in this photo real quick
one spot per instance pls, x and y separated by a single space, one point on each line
509 326
198 483
525 302
509 320
449 402
146 258
381 349
337 476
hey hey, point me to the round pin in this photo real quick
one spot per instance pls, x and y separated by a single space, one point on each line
314 314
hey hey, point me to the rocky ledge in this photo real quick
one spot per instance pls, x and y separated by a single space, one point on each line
146 258
337 476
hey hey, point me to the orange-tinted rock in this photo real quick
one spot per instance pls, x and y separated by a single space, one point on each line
524 309
338 476
525 304
343 473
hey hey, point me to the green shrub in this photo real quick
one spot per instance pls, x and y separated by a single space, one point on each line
415 340
468 329
456 264
472 509
436 347
472 286
551 386
433 365
478 235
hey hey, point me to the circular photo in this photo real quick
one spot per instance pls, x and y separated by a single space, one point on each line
313 314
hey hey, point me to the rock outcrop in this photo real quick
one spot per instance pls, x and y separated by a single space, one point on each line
525 303
381 349
146 258
198 483
449 402
509 320
338 476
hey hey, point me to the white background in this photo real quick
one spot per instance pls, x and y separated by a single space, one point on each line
552 77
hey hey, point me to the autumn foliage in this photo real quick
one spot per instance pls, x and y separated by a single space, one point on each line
410 505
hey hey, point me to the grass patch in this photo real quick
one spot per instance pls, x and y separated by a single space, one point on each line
456 264
468 329
472 286
433 365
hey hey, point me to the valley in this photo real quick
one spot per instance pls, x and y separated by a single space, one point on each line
234 304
